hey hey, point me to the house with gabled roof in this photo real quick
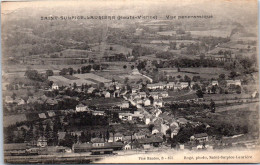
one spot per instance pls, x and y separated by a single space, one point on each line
90 90
98 113
164 94
154 141
146 102
156 130
118 137
213 83
158 103
31 99
125 116
52 102
107 94
184 84
182 121
138 101
201 137
142 94
98 142
42 116
55 86
164 128
124 104
159 85
42 142
51 113
19 101
233 82
81 108
9 99
170 85
155 95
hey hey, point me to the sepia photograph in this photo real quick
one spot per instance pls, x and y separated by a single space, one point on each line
138 81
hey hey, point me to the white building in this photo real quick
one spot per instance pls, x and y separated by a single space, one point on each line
147 121
213 83
233 82
125 116
81 108
164 94
184 84
147 102
54 86
124 104
158 103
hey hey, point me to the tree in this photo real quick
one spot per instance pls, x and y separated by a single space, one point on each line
49 73
132 67
151 99
86 69
233 74
74 85
222 76
34 75
13 96
173 45
213 89
82 137
151 127
124 66
195 78
212 106
70 71
168 131
68 140
222 83
196 86
238 89
48 131
96 67
141 65
187 79
126 80
41 129
199 93
64 71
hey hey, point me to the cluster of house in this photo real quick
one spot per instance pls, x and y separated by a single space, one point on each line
31 99
119 141
107 85
141 98
163 122
85 108
170 85
131 116
229 82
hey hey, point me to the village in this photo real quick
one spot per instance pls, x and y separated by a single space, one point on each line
98 114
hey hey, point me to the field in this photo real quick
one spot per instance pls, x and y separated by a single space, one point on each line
103 101
79 79
70 77
204 73
238 115
241 107
225 96
214 33
120 75
92 76
10 120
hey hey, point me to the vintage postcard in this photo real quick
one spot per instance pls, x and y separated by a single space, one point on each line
133 81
